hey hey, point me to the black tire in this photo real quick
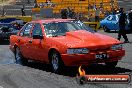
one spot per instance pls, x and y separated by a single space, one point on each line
105 29
19 59
56 62
111 64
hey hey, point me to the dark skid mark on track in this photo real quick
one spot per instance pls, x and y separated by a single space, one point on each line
101 69
73 71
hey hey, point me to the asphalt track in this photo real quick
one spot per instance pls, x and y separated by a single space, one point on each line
38 75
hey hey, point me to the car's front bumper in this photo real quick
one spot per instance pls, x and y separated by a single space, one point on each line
86 59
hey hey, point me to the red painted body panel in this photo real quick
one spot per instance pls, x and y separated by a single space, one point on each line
95 42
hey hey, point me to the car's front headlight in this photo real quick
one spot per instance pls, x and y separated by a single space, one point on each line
117 47
78 51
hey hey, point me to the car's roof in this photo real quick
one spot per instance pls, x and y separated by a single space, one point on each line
52 20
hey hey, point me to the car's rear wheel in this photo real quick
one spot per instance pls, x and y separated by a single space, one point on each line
111 64
19 58
105 29
56 62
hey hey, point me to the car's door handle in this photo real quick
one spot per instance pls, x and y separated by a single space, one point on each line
30 41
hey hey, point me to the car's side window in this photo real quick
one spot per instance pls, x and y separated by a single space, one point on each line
114 18
37 30
26 30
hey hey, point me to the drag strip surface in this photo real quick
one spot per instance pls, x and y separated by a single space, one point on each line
38 75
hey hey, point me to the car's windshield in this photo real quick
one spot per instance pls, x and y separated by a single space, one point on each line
60 28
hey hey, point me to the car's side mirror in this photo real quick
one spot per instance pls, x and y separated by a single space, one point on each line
37 37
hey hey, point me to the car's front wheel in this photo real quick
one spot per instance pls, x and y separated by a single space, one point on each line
19 58
111 64
56 62
105 29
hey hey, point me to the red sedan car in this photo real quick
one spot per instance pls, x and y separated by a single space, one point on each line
64 42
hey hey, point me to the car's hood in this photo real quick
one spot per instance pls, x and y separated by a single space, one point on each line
82 38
